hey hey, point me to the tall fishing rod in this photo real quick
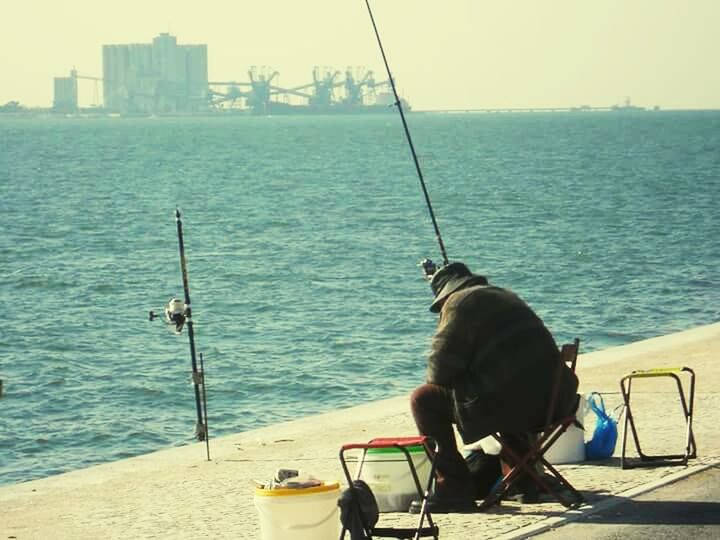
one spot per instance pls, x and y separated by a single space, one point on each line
179 314
426 264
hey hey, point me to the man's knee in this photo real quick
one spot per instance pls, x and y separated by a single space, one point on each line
429 396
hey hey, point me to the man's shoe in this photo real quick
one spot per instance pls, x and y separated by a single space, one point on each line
444 505
525 497
527 492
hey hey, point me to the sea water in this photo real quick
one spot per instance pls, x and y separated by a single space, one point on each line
302 237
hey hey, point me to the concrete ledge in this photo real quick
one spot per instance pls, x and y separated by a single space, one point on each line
176 493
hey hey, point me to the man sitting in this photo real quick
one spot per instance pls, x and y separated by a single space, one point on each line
491 369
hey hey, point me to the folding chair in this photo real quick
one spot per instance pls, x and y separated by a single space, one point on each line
403 444
540 442
687 407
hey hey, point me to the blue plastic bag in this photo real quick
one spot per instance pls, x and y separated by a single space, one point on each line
602 443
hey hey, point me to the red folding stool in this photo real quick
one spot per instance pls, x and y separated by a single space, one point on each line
402 444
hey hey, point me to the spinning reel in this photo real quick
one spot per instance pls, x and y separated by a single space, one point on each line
175 314
429 268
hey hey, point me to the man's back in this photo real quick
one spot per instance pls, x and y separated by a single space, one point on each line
499 358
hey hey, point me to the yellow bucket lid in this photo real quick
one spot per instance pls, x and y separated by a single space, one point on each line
292 492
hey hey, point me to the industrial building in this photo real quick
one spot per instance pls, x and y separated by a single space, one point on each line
65 94
158 77
163 77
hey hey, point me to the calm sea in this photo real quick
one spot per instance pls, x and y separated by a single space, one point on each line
302 237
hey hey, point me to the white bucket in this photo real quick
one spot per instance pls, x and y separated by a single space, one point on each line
570 446
301 514
387 473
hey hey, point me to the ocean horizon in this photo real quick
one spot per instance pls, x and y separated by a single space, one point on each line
302 237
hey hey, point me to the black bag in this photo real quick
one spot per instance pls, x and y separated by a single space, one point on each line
485 471
358 510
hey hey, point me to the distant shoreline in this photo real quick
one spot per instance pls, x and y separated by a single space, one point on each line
92 114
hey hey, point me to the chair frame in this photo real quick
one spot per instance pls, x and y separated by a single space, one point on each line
402 444
687 407
551 432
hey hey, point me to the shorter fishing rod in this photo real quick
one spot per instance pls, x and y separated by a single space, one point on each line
398 103
179 314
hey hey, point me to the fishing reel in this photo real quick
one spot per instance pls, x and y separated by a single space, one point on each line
429 268
175 314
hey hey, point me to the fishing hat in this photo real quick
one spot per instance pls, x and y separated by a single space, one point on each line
450 278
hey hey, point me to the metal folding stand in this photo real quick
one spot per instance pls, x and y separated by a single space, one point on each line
687 407
402 444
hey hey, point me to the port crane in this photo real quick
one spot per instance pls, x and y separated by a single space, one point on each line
257 92
357 86
261 89
324 85
261 92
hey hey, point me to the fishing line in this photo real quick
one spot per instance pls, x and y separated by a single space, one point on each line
408 137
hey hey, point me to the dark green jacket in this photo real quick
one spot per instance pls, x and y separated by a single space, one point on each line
500 360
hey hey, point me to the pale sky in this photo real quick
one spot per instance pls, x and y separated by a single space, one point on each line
444 54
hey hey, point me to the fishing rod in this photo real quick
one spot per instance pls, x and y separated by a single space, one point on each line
179 314
427 264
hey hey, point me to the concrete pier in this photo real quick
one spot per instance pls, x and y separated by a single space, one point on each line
177 494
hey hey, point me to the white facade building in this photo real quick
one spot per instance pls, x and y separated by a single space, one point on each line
157 77
65 94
